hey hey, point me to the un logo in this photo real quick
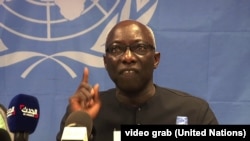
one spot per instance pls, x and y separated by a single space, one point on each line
47 29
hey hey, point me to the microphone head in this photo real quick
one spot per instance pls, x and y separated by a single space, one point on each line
4 135
80 119
23 114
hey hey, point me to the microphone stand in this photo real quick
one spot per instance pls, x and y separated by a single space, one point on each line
21 136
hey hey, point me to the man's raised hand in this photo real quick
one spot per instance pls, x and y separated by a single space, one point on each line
86 97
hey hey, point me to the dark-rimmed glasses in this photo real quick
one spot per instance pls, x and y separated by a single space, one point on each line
137 48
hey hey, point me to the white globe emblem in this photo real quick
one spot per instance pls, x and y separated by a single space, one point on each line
76 17
55 13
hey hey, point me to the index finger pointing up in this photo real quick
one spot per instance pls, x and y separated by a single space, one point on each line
85 75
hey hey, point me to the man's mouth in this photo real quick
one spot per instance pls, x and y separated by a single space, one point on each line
128 72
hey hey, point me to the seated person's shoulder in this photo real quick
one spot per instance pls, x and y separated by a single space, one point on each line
178 95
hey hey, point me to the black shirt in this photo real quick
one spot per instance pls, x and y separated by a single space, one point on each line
162 108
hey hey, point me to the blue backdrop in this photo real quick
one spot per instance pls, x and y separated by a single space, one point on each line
204 45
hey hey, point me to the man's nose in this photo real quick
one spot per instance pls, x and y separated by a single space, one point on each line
128 55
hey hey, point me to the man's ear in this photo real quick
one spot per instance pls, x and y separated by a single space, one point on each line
104 60
157 57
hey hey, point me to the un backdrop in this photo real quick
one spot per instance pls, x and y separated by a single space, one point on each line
45 44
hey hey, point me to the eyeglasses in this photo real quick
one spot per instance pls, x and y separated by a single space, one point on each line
137 48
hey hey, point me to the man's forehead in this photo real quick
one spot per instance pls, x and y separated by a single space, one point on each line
129 32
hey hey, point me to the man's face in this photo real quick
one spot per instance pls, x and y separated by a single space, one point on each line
130 57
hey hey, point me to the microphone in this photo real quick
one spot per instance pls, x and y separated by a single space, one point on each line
22 116
4 135
78 126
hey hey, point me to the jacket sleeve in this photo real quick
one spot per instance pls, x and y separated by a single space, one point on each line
207 116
